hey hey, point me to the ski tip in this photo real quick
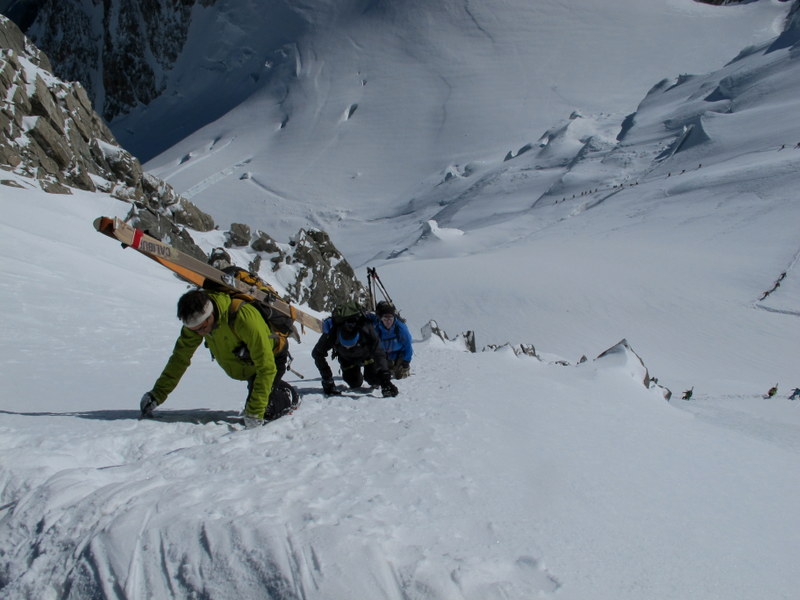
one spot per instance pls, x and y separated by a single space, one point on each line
104 225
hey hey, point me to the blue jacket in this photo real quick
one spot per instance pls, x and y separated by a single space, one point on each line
396 340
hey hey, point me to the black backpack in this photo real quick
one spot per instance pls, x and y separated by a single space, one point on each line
347 310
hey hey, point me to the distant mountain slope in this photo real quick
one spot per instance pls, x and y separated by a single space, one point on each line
446 149
739 114
380 99
695 202
348 87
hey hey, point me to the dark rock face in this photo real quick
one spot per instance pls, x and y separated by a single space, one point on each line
22 12
239 235
125 55
129 44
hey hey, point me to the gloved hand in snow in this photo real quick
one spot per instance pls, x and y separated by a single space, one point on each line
404 370
388 389
147 405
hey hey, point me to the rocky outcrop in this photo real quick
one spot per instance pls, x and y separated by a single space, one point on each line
158 224
517 349
314 271
622 356
50 133
324 277
464 341
239 235
310 268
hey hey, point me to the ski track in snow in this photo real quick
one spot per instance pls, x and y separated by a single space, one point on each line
212 179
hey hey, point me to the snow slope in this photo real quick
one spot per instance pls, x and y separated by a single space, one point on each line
708 229
490 476
511 173
372 97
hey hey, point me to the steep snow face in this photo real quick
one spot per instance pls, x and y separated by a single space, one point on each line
492 476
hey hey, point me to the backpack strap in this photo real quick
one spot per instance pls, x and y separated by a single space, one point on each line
280 340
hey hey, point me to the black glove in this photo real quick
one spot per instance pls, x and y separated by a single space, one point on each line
389 390
147 405
329 388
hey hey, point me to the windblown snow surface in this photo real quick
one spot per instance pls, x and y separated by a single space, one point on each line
492 475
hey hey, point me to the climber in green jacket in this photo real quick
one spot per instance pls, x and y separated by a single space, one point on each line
242 344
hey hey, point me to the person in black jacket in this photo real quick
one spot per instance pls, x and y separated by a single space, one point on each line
354 342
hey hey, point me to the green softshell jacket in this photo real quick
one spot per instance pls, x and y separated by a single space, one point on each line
249 328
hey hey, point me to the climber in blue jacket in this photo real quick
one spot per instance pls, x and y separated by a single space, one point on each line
395 338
